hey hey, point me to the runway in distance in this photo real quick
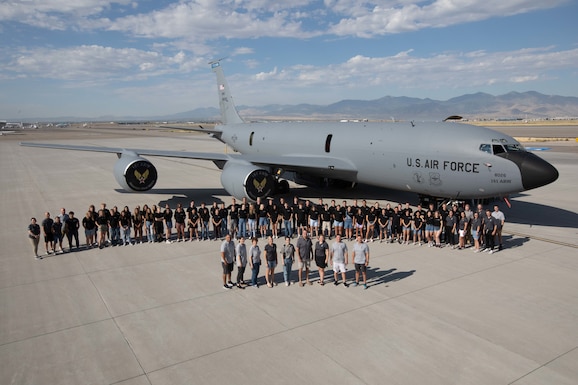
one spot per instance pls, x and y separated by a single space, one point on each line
438 159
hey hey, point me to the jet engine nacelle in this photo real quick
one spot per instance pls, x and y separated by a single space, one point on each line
242 179
134 173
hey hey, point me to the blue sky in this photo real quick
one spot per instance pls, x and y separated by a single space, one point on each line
94 58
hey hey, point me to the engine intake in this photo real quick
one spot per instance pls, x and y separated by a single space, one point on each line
247 180
134 173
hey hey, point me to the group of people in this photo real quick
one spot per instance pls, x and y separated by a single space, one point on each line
454 226
304 252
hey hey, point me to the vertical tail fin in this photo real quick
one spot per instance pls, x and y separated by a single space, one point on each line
229 114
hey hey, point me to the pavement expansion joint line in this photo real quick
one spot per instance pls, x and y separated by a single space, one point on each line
543 239
542 366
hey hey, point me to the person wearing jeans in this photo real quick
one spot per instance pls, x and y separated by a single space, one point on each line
254 259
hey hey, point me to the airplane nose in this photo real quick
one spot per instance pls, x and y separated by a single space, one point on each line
535 171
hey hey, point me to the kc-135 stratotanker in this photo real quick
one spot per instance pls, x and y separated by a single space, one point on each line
438 160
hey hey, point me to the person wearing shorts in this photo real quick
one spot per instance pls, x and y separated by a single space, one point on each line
304 255
360 256
271 258
476 226
227 261
47 230
89 229
314 220
338 255
57 233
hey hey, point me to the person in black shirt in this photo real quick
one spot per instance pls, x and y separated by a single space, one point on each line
149 218
417 228
476 226
193 223
293 207
159 225
338 217
287 214
216 219
462 229
168 214
89 229
72 225
301 215
263 220
34 236
396 225
451 223
271 257
406 226
321 253
275 219
205 217
437 228
370 220
443 215
102 223
382 220
125 225
359 222
234 219
47 230
224 216
180 219
348 219
107 216
325 218
243 217
57 233
137 223
490 229
429 235
94 216
114 224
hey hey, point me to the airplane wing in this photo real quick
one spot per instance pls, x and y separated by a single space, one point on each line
317 165
215 132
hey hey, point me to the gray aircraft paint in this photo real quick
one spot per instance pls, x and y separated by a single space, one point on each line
425 158
437 159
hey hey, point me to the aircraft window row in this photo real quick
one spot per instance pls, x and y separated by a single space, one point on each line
486 148
514 147
499 149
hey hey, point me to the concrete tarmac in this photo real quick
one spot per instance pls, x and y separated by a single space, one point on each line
157 313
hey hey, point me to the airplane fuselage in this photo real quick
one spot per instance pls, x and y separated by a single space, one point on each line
442 160
436 159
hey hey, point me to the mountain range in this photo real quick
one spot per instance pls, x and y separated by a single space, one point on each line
513 105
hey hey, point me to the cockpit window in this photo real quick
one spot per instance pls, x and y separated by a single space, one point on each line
498 149
486 148
514 147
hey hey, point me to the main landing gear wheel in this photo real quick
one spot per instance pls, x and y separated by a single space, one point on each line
282 187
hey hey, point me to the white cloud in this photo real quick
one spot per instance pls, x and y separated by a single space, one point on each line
406 71
373 19
208 20
93 63
243 51
54 14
